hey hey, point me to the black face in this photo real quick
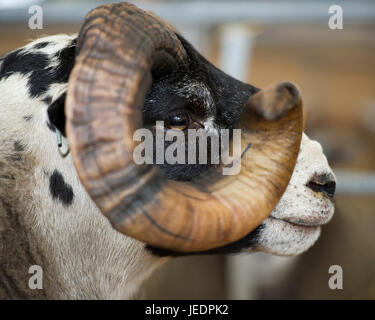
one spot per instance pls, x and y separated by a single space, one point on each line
197 96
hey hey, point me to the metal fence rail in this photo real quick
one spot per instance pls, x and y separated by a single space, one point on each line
204 12
355 183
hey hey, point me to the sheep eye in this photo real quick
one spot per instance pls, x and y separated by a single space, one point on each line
180 122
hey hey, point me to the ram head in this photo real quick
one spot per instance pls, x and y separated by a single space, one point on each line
133 70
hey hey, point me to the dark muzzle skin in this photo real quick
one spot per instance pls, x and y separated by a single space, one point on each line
122 50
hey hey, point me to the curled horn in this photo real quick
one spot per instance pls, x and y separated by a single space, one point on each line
119 46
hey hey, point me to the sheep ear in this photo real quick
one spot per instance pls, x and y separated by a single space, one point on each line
56 113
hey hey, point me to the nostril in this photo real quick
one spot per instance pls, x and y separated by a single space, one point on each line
324 183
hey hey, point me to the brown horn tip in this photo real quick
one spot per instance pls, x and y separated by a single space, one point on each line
275 100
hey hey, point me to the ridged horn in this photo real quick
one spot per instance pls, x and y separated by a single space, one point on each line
119 45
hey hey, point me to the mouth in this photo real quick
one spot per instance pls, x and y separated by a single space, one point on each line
302 230
284 237
312 220
307 223
300 225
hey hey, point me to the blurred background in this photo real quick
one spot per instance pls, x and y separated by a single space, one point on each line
263 42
